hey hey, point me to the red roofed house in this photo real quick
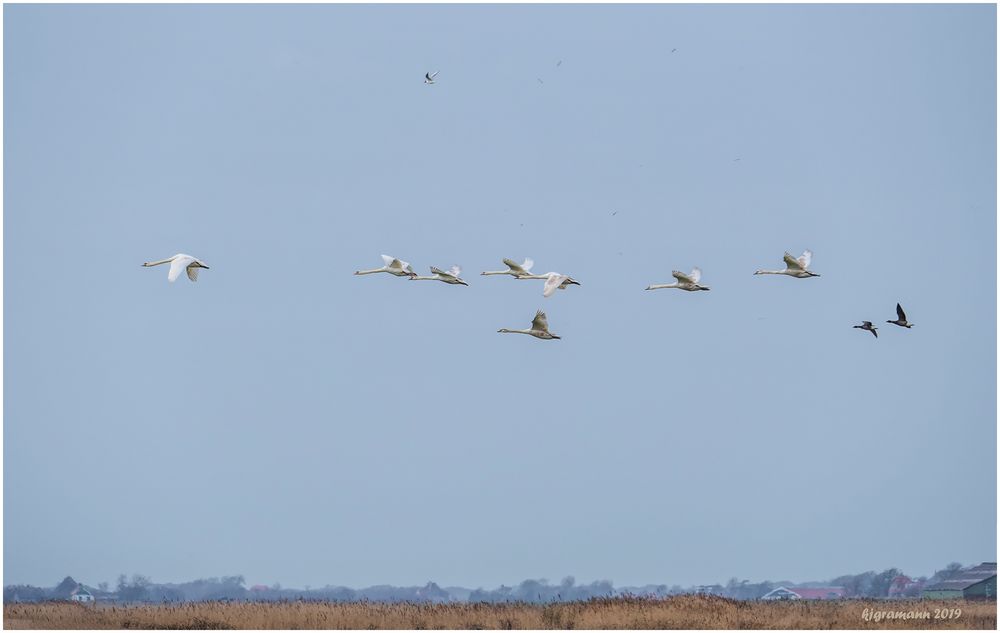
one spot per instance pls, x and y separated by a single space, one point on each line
903 586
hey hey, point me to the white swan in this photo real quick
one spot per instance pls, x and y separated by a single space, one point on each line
180 262
539 328
553 282
795 267
429 77
684 282
513 268
448 277
392 266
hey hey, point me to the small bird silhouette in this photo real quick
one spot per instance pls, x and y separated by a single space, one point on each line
901 321
867 325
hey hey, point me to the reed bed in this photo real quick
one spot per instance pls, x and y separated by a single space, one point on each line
679 612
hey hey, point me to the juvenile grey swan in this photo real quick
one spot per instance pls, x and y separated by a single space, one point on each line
539 328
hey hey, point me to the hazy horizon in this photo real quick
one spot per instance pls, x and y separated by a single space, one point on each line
551 581
288 421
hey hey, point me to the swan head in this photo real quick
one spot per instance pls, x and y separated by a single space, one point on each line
759 272
503 330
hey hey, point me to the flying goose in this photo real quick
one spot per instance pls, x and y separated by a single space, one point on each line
795 267
392 266
448 277
429 77
684 282
180 262
539 328
867 325
901 321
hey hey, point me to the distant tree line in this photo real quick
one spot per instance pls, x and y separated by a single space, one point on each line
140 589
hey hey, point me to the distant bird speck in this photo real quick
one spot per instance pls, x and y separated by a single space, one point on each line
429 77
673 50
539 80
559 63
614 213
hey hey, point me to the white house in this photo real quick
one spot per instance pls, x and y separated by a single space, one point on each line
80 594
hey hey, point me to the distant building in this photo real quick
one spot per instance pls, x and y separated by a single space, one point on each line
979 582
80 594
710 590
805 593
903 586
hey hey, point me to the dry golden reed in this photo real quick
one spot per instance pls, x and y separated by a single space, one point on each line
679 612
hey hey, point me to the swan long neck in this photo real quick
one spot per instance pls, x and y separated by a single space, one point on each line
530 276
162 261
369 272
771 272
506 331
496 272
419 278
658 286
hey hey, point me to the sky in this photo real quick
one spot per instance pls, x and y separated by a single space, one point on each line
288 421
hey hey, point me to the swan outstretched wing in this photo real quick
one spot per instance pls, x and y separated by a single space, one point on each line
552 283
393 263
695 274
792 263
683 278
805 259
528 263
540 322
192 272
453 273
517 268
178 264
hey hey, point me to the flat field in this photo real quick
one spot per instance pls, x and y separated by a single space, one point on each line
681 612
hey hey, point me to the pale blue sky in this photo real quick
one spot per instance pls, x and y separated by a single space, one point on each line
285 420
